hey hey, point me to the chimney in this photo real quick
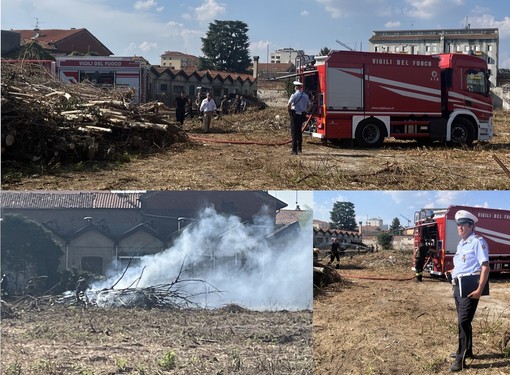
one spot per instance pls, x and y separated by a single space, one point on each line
255 66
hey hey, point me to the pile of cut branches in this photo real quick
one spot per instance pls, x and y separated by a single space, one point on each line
44 119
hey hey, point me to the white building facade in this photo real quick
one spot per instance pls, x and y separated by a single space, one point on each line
478 42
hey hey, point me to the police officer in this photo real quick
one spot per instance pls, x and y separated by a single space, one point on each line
472 257
297 106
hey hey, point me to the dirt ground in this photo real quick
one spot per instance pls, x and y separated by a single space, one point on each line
377 320
54 339
240 161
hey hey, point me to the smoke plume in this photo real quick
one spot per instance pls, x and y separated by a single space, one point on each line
237 259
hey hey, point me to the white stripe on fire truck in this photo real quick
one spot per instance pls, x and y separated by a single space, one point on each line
471 108
367 113
410 94
403 85
492 232
465 97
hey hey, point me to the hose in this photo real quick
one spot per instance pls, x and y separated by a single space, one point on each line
209 140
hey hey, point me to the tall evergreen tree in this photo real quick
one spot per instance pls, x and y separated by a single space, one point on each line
343 216
395 226
225 47
324 51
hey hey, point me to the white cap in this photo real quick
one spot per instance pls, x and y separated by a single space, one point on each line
463 216
297 83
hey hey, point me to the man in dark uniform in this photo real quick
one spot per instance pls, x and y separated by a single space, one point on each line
335 251
421 254
180 108
471 258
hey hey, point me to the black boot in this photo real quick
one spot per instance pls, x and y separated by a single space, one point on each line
457 366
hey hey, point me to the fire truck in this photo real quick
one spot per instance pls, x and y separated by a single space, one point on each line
439 230
105 71
368 96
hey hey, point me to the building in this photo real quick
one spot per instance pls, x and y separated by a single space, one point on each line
164 84
178 60
274 70
285 55
96 229
375 222
480 42
64 42
322 238
161 83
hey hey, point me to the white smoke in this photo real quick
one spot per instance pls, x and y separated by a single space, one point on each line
236 259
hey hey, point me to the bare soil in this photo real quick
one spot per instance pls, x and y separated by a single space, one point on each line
377 320
54 339
252 151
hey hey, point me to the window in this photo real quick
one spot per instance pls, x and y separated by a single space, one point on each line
459 49
92 264
163 87
489 48
476 81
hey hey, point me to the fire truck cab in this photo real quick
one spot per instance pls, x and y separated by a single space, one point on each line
368 96
439 230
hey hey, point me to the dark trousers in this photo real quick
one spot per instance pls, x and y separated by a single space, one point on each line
296 122
180 113
334 254
466 308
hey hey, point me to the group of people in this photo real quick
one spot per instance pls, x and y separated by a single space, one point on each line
471 258
207 107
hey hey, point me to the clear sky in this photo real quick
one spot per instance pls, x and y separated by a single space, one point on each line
387 205
148 28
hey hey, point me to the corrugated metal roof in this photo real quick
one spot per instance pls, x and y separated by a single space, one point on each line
67 199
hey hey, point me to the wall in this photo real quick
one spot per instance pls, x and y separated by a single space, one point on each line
501 97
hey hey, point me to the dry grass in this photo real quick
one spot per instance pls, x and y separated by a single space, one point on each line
397 326
240 161
62 340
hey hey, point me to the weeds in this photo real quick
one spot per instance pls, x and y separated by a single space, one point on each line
169 361
236 361
14 369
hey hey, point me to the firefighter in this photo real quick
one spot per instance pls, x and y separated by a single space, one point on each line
472 257
421 254
81 287
335 252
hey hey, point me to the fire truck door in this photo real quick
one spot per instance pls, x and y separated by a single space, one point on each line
344 90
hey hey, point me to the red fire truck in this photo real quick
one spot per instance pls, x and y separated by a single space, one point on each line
368 96
439 230
106 71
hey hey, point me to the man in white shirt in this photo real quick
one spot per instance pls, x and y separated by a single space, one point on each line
208 107
297 106
472 257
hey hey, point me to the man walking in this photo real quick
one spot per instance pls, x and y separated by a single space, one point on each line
208 107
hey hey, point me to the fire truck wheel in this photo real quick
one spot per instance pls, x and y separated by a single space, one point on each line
370 134
462 132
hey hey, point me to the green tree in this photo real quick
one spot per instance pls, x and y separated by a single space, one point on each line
324 51
27 246
225 47
385 240
395 226
343 216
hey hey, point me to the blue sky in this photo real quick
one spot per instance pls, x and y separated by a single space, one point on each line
402 204
148 28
